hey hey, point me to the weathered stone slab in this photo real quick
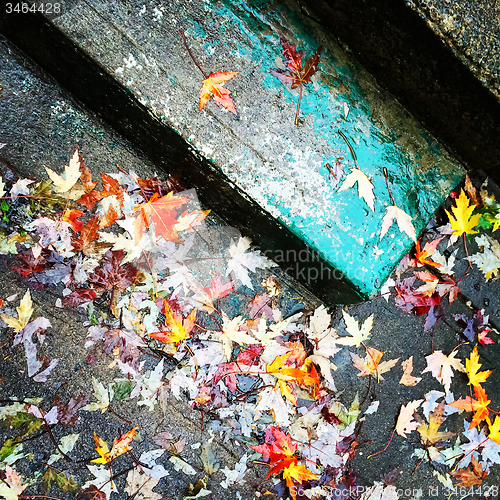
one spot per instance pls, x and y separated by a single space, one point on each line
280 167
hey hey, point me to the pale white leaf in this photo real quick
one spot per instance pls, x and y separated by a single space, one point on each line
365 187
372 408
380 492
140 486
231 333
403 220
66 445
181 465
71 174
101 479
358 334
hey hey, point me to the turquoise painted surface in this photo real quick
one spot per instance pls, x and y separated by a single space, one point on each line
342 229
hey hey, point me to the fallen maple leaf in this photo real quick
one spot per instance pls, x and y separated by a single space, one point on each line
231 333
358 334
403 220
179 328
430 434
140 486
300 473
494 429
24 312
120 446
422 255
442 367
295 75
472 366
479 405
92 493
371 364
462 220
11 487
212 86
472 476
408 379
110 187
406 423
365 187
162 212
72 174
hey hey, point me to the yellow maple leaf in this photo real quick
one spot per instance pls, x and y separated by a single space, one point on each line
472 366
494 434
430 434
462 220
24 312
179 328
120 446
299 473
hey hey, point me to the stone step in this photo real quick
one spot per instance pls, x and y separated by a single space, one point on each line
261 172
440 59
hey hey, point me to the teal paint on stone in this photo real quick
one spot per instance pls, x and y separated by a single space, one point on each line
277 164
414 191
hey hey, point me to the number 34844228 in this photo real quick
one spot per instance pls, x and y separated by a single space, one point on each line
24 7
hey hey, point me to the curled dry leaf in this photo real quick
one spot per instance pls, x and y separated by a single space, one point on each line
408 379
406 422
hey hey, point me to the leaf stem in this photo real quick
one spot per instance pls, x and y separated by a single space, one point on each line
388 188
351 149
298 105
192 57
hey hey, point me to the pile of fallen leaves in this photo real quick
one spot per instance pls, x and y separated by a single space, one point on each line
129 255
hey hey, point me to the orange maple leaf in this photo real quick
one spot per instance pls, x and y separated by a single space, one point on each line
299 473
479 405
371 364
162 212
472 366
212 86
471 476
429 249
179 327
120 446
430 434
306 376
110 186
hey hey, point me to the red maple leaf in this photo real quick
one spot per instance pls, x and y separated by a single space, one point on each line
110 187
278 449
295 75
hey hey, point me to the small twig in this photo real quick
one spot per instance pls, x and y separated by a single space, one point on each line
192 57
386 446
119 416
53 439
